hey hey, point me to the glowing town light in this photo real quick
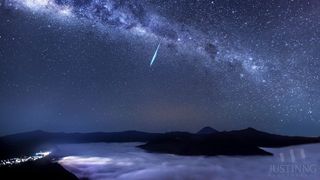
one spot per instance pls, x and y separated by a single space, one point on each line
13 161
43 154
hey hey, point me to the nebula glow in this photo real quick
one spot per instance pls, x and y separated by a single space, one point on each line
44 6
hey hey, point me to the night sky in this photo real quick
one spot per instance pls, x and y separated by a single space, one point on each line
84 65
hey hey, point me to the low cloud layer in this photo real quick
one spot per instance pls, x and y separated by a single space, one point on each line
125 161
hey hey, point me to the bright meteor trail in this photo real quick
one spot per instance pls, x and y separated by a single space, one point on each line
155 55
228 65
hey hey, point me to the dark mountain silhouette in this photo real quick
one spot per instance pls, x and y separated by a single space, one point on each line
207 130
195 145
207 141
264 139
239 142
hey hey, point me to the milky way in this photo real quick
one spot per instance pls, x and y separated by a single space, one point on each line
137 19
256 60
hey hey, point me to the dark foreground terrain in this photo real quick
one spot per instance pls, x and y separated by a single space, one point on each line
42 169
207 142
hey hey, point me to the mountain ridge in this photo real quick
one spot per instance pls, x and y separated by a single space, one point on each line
207 139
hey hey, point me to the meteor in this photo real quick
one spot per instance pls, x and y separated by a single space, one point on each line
155 55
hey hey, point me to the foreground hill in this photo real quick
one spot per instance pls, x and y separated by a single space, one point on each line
36 170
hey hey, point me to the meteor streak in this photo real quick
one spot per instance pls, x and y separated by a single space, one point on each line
155 55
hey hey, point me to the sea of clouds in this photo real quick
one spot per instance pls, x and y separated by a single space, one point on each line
99 161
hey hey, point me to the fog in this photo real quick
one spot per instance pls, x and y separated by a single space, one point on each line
124 161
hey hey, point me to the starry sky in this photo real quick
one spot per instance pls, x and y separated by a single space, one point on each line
84 65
